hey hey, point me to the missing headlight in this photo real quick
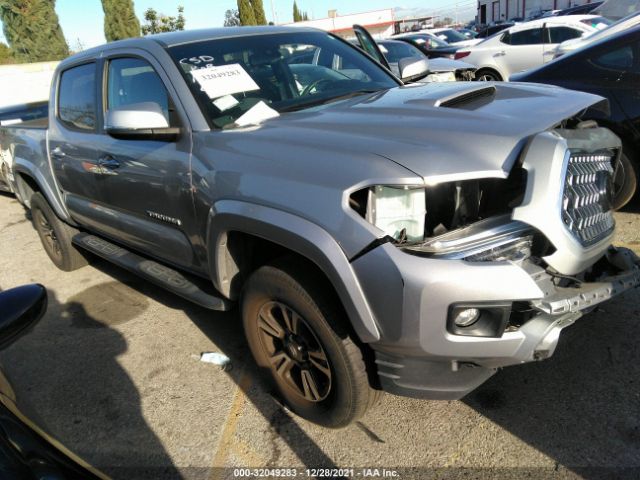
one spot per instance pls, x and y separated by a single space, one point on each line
398 211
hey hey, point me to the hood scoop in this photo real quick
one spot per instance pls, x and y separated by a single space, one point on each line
464 99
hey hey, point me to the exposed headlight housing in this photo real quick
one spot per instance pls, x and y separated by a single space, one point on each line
398 211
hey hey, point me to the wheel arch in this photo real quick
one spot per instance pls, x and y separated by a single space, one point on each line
242 236
30 180
493 69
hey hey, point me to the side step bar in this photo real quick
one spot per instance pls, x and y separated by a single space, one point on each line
155 272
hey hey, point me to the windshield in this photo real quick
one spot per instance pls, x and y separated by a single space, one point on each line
451 36
430 40
241 79
626 22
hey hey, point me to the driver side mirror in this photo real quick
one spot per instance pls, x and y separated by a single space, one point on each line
20 309
139 121
412 68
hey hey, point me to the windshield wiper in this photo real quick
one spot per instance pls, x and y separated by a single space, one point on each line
324 101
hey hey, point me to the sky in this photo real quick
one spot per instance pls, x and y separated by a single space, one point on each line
82 20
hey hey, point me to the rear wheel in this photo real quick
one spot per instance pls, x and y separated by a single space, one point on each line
625 181
488 75
296 331
55 236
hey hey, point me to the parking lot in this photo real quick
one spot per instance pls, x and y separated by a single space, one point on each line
114 372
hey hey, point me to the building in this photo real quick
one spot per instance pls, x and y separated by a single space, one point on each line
380 23
25 82
495 10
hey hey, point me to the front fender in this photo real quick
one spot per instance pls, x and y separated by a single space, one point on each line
298 235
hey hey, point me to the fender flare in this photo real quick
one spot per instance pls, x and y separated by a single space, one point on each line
25 167
296 234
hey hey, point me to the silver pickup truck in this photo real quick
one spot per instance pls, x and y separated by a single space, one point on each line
375 236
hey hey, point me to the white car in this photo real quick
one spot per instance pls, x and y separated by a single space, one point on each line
452 37
526 45
571 45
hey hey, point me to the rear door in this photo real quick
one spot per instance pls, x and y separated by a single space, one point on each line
522 50
147 182
73 136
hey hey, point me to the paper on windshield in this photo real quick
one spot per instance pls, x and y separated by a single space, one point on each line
257 114
225 103
224 80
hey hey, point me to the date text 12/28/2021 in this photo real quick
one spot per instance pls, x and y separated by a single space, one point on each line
315 472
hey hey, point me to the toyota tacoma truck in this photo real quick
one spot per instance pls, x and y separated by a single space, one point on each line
375 236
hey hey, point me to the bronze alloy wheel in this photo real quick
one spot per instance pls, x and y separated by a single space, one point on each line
298 334
294 351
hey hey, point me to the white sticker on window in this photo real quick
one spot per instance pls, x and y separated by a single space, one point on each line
225 103
224 80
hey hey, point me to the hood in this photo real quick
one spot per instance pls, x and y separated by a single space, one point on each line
441 132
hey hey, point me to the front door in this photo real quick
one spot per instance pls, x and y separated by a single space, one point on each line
148 189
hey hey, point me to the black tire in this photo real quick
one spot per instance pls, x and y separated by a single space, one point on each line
625 180
338 391
488 75
55 236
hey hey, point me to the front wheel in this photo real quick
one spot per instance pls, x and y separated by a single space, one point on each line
296 332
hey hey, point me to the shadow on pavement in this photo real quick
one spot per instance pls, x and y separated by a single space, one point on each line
87 399
74 388
224 329
581 407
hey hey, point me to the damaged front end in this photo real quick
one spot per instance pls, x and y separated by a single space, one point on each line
493 269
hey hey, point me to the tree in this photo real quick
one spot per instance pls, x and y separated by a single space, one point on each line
33 31
246 13
297 16
258 12
231 18
6 55
120 20
158 22
305 17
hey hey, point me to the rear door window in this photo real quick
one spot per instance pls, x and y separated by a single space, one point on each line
619 59
562 34
526 37
77 97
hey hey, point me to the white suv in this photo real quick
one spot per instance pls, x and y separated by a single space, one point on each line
526 45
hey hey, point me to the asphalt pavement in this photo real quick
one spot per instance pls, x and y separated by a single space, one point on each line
114 372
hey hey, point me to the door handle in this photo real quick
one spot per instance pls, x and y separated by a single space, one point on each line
58 153
500 54
108 162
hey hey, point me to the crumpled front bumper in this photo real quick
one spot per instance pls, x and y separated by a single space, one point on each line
417 355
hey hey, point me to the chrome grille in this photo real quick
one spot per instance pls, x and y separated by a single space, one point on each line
586 202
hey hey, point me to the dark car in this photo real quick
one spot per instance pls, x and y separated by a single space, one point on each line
610 68
486 32
580 9
26 450
429 44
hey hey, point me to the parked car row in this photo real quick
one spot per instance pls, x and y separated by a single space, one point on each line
525 45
